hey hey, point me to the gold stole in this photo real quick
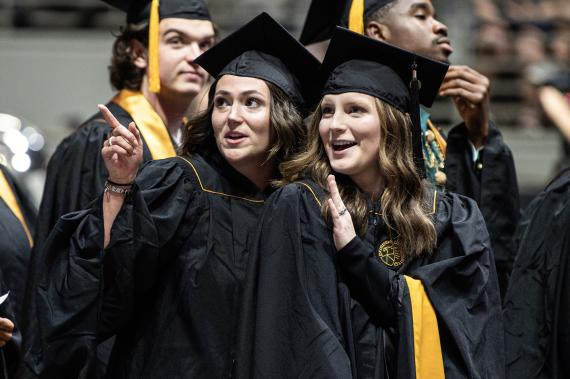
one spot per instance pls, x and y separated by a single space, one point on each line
149 123
9 198
427 345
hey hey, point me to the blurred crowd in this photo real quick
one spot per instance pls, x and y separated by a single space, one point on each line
525 46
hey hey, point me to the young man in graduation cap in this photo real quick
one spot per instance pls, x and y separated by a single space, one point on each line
473 160
153 69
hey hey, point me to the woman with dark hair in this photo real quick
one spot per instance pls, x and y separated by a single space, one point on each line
160 258
387 277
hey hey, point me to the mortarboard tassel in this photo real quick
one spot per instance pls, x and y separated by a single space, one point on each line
356 17
415 86
153 67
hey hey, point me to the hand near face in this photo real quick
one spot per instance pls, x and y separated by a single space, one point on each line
122 151
6 329
470 92
343 228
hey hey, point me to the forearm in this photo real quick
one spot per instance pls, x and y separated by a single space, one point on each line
369 280
556 108
112 204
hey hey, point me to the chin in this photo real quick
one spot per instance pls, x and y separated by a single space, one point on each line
342 168
187 89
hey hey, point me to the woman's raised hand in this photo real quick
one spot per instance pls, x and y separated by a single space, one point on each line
343 228
122 151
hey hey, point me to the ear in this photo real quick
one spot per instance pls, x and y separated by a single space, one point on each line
139 54
376 30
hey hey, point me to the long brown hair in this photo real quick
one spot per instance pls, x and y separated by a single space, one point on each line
285 122
403 207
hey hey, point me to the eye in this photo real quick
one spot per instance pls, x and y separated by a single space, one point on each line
356 109
252 102
175 41
327 110
220 102
421 16
205 45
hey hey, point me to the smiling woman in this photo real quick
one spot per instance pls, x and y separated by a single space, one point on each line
386 276
167 280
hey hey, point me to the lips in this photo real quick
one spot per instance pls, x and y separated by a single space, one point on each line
445 43
191 74
234 138
341 145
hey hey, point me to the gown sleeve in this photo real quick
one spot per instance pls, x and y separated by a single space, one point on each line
291 326
492 182
537 304
444 306
86 294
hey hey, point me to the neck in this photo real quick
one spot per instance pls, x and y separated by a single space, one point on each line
259 174
170 107
373 185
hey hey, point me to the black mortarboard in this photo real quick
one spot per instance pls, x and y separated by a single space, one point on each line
354 63
263 49
139 11
324 15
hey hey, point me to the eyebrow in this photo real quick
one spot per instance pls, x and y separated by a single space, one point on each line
178 31
422 6
245 93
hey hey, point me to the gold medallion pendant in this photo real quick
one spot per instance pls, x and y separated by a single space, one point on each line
389 253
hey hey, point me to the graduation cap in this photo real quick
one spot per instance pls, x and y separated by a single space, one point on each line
263 49
324 15
151 11
354 63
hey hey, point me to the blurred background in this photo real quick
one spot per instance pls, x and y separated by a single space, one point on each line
54 56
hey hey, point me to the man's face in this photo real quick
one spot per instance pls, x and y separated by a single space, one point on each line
412 25
181 42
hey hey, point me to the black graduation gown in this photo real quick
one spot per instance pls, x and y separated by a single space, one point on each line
492 183
306 319
14 257
537 305
15 246
75 176
169 283
9 354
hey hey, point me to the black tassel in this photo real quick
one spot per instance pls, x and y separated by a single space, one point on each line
415 86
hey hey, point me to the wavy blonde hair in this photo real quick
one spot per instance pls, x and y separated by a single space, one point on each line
405 211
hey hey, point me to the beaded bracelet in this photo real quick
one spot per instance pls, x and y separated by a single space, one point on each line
122 189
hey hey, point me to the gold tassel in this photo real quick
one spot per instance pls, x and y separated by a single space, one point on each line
153 67
356 16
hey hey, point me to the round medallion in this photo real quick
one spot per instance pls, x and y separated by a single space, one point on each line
389 253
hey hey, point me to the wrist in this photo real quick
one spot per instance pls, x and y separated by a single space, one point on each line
117 189
122 182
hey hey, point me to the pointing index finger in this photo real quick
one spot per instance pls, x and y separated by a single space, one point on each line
108 116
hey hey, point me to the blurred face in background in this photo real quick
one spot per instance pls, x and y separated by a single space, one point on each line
412 25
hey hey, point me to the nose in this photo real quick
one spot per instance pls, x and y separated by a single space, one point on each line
234 117
193 52
337 124
439 27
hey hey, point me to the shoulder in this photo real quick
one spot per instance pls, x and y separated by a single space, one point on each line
459 222
165 172
306 192
92 132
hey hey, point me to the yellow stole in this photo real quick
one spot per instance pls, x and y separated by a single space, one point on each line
9 198
427 345
149 123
